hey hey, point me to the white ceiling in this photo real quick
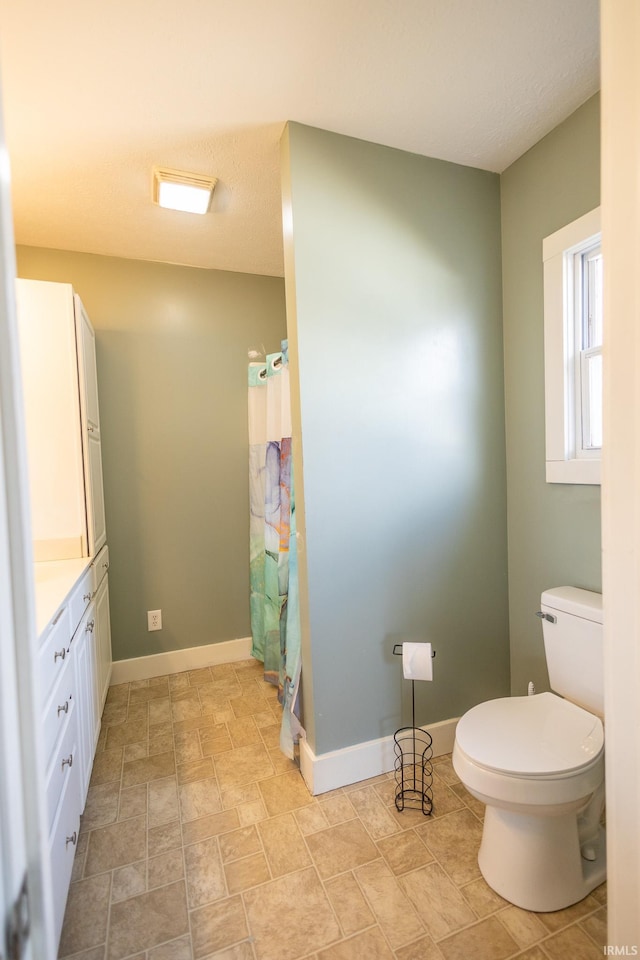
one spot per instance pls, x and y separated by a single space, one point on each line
98 91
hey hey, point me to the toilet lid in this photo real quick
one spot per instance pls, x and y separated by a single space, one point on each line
537 736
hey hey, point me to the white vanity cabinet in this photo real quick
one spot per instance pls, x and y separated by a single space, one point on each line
59 377
58 359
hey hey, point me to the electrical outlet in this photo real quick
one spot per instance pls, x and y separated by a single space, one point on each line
154 619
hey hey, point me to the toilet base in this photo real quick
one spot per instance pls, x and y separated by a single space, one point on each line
535 862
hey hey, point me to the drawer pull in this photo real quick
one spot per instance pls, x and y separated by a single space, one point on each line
58 615
87 597
64 708
59 654
72 839
90 428
67 762
105 565
89 627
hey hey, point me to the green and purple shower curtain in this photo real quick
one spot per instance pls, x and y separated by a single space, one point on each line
275 619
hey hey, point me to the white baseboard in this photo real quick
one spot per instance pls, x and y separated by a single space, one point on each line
176 661
339 768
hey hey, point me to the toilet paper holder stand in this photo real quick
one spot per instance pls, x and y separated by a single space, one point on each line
413 748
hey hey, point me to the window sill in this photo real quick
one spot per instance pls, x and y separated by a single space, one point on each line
574 471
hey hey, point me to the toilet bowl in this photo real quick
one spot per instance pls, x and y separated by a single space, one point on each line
537 762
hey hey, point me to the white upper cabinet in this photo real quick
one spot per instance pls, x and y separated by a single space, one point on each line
58 359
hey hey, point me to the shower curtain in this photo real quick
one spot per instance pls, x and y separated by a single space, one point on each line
275 616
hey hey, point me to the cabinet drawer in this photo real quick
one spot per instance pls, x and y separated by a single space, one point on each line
100 566
63 765
58 707
81 598
54 651
62 848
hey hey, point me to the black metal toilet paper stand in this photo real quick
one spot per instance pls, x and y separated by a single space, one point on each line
413 769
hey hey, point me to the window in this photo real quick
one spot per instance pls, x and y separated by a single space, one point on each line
573 351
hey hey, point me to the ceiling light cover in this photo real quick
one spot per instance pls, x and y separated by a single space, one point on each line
177 190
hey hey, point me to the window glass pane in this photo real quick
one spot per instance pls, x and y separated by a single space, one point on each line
592 306
594 401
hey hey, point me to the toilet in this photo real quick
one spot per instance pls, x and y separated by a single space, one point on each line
537 762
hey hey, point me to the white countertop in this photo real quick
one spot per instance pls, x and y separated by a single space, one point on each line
54 580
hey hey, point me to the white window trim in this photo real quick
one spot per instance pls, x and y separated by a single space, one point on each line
562 464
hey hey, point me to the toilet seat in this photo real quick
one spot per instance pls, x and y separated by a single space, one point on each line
535 737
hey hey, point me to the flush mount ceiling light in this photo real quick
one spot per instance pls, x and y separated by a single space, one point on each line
177 190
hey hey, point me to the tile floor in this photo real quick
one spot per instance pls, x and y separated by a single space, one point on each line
200 839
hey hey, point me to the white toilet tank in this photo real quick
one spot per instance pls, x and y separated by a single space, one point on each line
572 631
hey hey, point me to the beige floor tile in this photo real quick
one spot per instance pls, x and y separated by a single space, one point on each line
218 925
238 812
107 766
437 901
179 949
349 903
600 893
455 841
369 945
337 809
562 918
149 768
284 792
152 692
85 920
147 920
596 926
481 898
252 812
187 746
133 801
422 949
243 874
284 848
315 924
443 769
118 692
474 805
163 838
116 845
240 951
404 851
310 819
203 675
340 848
204 873
129 881
524 927
211 826
486 940
195 770
165 868
199 798
240 843
243 732
389 904
243 765
163 801
572 942
102 805
373 813
132 731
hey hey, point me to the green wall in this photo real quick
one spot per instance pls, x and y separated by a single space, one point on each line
395 330
554 529
172 347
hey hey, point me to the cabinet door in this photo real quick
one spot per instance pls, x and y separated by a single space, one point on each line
103 642
88 720
86 340
52 412
95 495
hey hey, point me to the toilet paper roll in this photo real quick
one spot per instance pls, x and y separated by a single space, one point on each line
417 663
